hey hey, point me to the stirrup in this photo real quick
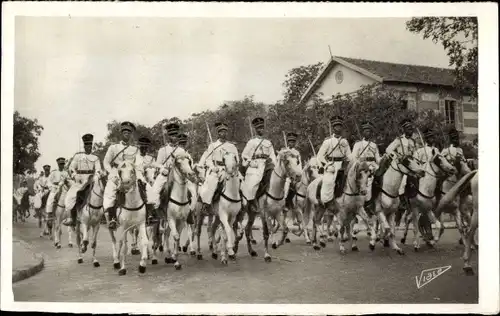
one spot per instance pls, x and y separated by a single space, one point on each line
112 224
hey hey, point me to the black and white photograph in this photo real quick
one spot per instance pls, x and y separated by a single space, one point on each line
243 154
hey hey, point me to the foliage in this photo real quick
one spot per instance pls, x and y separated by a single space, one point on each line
459 38
298 80
25 144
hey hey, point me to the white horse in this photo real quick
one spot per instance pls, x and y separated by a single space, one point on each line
270 205
460 207
131 211
423 202
450 197
345 207
387 195
60 215
90 217
178 207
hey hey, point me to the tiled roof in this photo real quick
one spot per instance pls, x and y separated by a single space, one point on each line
405 73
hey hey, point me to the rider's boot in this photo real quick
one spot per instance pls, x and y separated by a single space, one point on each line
112 218
71 221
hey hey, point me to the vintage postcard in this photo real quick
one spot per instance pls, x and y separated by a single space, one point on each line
249 158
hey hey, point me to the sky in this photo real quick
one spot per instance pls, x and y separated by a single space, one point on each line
76 74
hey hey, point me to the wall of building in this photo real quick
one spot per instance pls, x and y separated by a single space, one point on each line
351 81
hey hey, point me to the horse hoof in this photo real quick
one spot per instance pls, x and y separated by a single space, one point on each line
274 245
214 256
316 247
58 246
179 248
96 264
377 239
369 234
254 242
80 260
253 253
355 248
322 236
160 249
199 256
336 234
415 249
372 247
116 265
232 257
401 252
386 243
342 251
154 261
267 259
224 262
330 239
169 260
142 269
210 247
460 241
287 240
403 240
308 242
122 272
135 251
354 238
178 266
468 271
184 249
322 244
70 245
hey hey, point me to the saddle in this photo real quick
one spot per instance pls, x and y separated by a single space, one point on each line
218 192
83 195
289 197
378 177
44 199
266 178
411 188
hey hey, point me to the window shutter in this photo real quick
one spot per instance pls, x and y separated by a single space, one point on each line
441 108
412 104
459 116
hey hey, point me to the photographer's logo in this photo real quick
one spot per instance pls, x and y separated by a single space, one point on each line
426 276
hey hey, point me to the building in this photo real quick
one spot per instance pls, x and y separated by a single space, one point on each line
422 87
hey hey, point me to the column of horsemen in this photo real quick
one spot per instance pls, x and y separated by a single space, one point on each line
257 161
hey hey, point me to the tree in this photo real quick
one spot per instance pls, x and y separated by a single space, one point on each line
25 143
298 80
459 38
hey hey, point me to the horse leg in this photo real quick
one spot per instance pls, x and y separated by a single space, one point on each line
213 230
354 238
468 242
413 218
329 231
306 216
284 232
123 249
392 235
190 232
344 227
248 233
223 242
84 229
144 247
115 247
323 233
267 232
95 232
78 243
209 224
71 230
177 227
166 241
436 222
199 224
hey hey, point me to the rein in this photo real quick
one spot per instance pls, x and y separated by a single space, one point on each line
281 177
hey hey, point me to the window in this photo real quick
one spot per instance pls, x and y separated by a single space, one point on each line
404 104
449 111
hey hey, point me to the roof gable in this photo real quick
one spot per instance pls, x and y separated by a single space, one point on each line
386 72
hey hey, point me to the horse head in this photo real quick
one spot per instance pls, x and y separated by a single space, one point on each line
150 174
358 173
312 168
461 165
126 172
410 165
443 165
182 163
230 164
289 161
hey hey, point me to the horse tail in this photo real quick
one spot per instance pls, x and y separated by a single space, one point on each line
450 196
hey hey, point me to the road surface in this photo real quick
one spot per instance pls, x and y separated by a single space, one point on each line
297 275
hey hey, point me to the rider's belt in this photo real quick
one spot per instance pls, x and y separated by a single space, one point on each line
56 183
219 163
261 156
335 159
370 159
84 171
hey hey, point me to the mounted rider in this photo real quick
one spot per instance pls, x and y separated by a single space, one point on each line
145 162
212 160
291 141
83 166
258 161
336 149
424 153
453 150
56 181
116 154
42 186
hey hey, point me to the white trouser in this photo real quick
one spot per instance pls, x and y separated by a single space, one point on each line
253 176
50 200
111 189
207 190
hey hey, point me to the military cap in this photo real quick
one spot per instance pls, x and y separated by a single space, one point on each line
88 138
144 141
219 126
337 120
172 129
367 125
291 136
46 167
427 132
258 122
406 122
127 126
61 160
182 139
